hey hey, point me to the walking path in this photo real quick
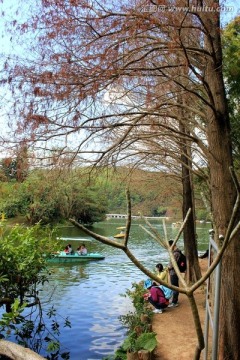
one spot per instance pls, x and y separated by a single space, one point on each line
175 330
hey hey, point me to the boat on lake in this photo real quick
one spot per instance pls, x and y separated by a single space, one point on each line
122 232
80 239
62 257
177 225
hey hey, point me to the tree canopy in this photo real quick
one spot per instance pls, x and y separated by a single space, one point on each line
23 273
231 67
54 196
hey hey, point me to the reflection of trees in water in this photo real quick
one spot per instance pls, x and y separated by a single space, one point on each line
60 279
68 272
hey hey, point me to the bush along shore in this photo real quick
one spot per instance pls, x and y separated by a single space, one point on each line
140 340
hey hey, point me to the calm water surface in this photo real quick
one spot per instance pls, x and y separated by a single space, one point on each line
90 294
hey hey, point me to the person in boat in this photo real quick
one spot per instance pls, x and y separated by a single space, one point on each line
82 250
66 250
162 273
70 249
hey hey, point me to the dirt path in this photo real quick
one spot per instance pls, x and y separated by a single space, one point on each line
176 335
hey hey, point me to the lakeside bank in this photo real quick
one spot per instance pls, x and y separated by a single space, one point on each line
175 330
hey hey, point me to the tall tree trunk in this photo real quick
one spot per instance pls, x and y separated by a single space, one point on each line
222 191
189 232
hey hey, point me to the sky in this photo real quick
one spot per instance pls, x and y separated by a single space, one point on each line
227 16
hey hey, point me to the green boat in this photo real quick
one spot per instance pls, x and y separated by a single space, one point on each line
62 257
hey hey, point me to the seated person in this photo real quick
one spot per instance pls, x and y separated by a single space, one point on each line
66 250
156 296
70 249
81 250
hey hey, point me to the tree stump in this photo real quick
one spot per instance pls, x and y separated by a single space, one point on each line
132 355
144 355
144 318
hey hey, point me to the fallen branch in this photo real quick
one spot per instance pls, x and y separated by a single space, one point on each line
17 352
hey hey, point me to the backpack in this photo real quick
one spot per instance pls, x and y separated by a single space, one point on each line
163 300
168 293
182 262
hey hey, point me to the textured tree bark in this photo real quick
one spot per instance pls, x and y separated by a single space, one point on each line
144 355
132 355
17 352
222 193
193 269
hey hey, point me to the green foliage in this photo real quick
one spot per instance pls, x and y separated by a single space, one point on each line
146 341
231 56
203 214
129 343
9 320
130 320
120 354
53 196
138 335
3 278
22 269
33 333
202 194
53 346
49 197
22 260
12 207
231 69
136 295
9 168
152 193
15 168
159 211
12 202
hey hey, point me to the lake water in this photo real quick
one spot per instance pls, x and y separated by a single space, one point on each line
90 294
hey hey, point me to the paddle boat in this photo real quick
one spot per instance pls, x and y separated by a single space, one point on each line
62 257
80 239
122 232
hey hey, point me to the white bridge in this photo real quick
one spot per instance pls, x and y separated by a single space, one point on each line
124 216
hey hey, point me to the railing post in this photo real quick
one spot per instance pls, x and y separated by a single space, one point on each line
214 320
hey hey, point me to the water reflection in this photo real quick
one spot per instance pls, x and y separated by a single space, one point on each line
68 272
90 295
